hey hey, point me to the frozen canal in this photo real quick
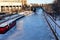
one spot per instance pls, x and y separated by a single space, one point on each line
32 27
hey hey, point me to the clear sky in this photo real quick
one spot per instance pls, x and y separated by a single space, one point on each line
40 1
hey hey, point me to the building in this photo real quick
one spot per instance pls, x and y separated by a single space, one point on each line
11 6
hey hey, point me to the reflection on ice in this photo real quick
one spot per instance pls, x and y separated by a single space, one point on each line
19 25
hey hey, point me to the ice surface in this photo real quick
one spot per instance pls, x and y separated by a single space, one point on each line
33 27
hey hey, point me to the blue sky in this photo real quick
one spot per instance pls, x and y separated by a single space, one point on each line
40 1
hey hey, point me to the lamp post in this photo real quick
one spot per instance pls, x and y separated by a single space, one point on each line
23 3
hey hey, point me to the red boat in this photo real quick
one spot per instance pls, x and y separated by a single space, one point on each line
4 27
7 27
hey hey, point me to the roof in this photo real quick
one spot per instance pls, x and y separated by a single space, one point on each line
9 3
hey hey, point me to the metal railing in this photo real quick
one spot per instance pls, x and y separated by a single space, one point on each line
52 24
